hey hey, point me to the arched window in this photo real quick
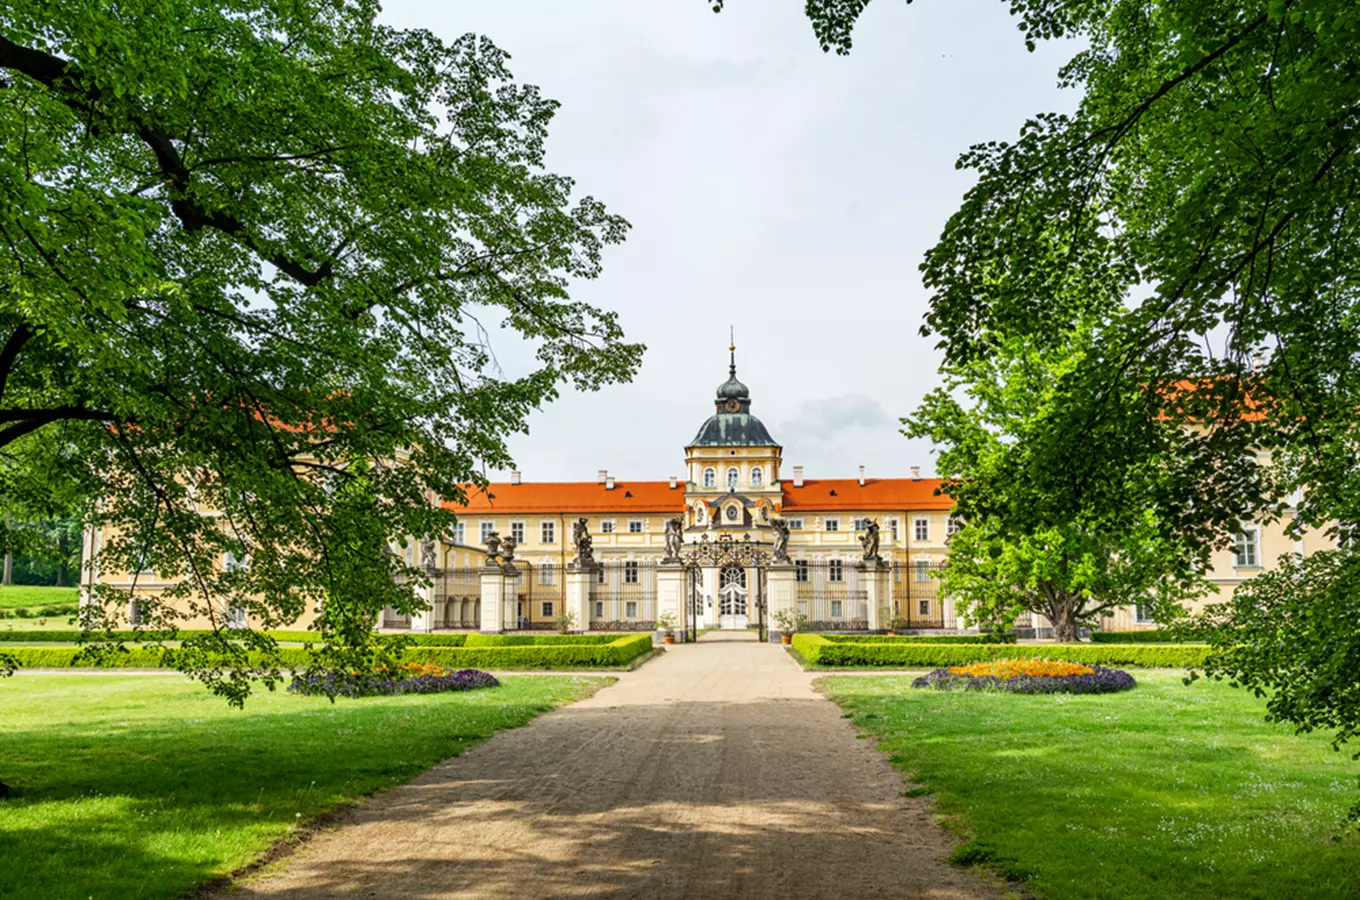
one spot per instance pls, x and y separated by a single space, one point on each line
710 478
732 476
757 477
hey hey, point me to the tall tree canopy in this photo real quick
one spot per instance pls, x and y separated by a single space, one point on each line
250 254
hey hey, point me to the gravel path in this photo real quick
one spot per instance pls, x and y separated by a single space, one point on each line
713 771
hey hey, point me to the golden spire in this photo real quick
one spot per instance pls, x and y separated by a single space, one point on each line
732 347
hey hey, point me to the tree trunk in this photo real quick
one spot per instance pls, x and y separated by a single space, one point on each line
1064 621
9 567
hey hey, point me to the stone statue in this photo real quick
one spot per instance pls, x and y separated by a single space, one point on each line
493 547
673 540
870 542
429 561
580 536
508 550
780 554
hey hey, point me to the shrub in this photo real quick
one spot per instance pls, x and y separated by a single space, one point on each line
384 685
536 640
1092 680
1158 636
1007 637
819 650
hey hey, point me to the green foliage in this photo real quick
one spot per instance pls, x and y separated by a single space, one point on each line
985 638
252 255
537 639
1170 791
40 612
33 596
130 786
1156 636
819 651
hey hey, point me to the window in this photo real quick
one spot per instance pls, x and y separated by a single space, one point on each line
892 529
1142 614
1246 552
861 525
599 575
547 533
606 526
547 609
460 533
832 525
236 615
732 476
710 478
547 573
923 607
795 524
410 554
486 529
517 532
922 528
231 563
732 512
952 524
635 526
835 571
599 609
837 609
757 477
135 614
630 572
800 571
922 567
630 609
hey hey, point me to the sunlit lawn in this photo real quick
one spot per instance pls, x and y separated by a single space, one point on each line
15 595
1166 791
144 786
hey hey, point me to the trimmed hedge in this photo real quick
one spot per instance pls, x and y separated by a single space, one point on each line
817 650
40 612
999 638
1157 636
618 652
536 640
70 636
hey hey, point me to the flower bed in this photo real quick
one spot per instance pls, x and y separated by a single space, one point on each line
415 679
1028 676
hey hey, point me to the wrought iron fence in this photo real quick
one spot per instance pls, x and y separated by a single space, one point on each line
623 596
533 596
831 595
916 593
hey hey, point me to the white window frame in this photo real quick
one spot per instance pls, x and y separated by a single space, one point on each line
547 573
547 532
606 526
460 532
835 571
920 529
484 529
599 609
837 609
733 479
921 571
757 477
710 477
635 526
1141 616
795 524
892 530
517 531
1251 548
600 577
861 525
231 564
631 572
630 609
802 572
952 524
831 524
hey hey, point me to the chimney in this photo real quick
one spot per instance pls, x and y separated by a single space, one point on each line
915 473
797 476
602 477
609 483
514 476
672 482
861 476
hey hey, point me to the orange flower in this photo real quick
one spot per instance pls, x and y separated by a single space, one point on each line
1012 668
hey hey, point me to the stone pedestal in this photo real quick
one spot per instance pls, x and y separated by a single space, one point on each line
493 604
422 618
781 584
670 598
875 576
579 580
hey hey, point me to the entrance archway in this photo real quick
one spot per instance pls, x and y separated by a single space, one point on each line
732 597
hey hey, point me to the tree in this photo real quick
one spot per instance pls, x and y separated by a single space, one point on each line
1050 526
246 258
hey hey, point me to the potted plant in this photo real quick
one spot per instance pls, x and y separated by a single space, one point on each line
898 625
666 624
789 622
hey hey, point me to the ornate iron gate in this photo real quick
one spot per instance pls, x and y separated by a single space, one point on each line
723 553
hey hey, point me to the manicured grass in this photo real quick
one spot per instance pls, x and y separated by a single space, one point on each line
1165 791
14 595
145 786
53 623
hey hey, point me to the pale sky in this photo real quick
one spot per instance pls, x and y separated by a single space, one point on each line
772 187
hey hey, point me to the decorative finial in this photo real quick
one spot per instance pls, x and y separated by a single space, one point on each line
732 347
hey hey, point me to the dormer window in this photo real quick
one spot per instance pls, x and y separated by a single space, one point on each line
732 478
732 513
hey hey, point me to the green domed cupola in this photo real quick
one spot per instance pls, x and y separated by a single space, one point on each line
732 425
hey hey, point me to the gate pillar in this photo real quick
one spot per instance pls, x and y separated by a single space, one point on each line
874 575
780 579
493 594
579 579
671 583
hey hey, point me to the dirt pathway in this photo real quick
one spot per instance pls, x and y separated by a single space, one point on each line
713 771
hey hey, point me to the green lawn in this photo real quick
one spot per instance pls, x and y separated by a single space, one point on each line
144 786
1166 791
13 595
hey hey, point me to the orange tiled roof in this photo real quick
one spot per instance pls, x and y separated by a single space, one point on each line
818 494
573 497
588 497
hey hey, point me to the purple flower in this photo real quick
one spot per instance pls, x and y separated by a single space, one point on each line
333 685
1100 681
